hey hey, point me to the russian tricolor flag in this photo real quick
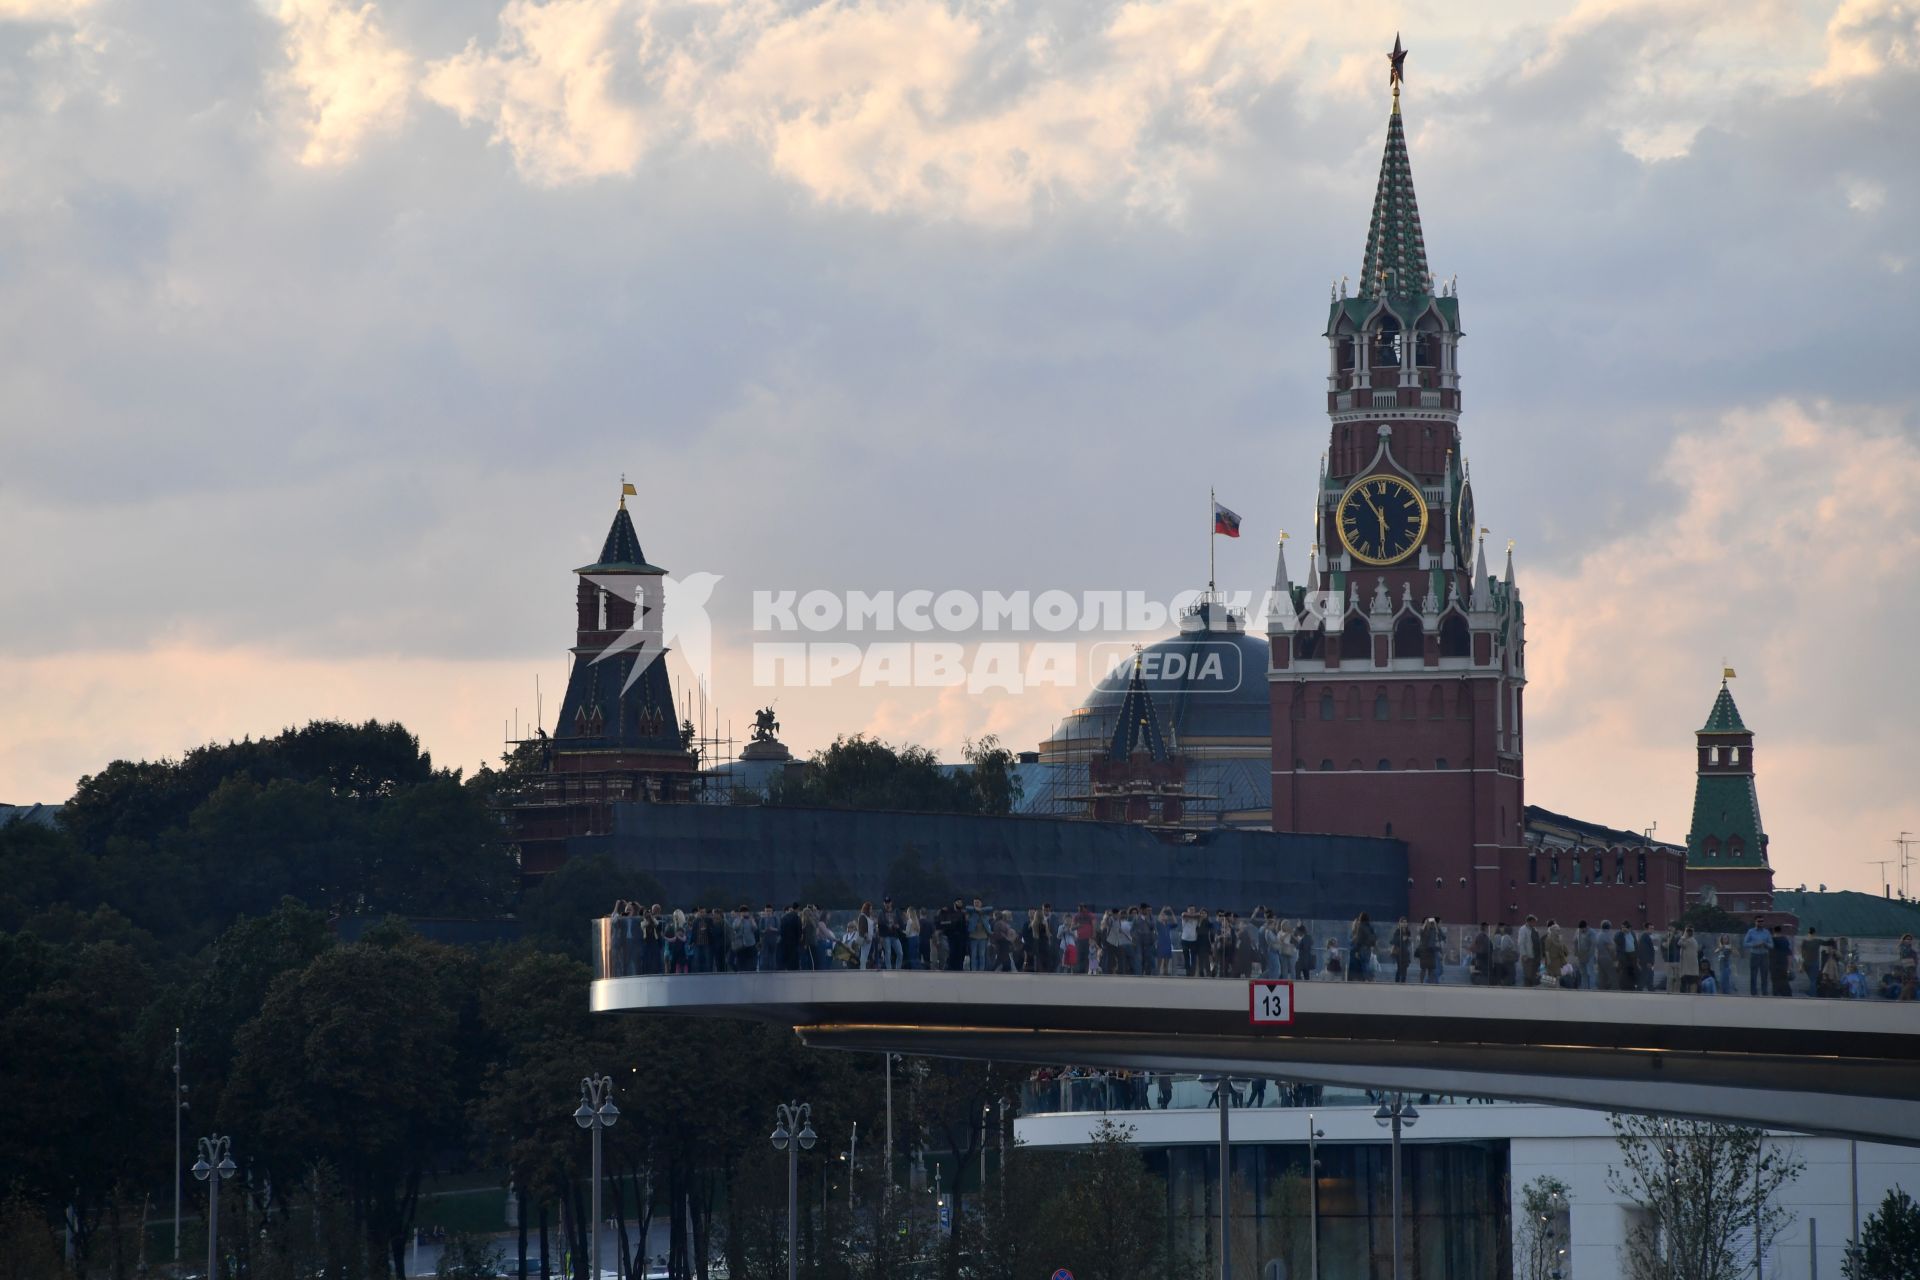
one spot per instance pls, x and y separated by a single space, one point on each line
1225 522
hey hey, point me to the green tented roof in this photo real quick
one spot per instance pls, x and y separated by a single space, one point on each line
1396 258
1725 717
621 552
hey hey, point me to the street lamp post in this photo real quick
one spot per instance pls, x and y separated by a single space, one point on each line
179 1160
597 1113
793 1133
1400 1114
886 1194
1313 1197
214 1165
1223 1098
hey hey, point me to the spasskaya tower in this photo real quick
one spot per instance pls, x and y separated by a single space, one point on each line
1397 666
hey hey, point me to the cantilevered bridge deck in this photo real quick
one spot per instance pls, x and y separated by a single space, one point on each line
1847 1068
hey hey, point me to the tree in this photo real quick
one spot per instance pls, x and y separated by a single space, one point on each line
994 786
1114 1210
1541 1242
351 1063
865 773
1702 1188
1706 918
1889 1242
559 911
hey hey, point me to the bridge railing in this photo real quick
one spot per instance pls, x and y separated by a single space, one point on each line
643 943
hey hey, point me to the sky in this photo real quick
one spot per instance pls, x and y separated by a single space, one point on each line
328 330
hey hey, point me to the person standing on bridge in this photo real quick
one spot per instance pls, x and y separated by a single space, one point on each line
1430 950
1759 948
1782 960
1529 944
1605 968
1626 957
1689 962
1303 954
1360 945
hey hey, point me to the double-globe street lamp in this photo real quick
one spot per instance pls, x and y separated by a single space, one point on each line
1400 1114
214 1165
597 1113
793 1133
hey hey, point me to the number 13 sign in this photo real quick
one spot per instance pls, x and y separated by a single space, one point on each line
1269 1003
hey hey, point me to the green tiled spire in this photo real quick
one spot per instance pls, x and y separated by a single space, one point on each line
1726 831
1396 262
1725 717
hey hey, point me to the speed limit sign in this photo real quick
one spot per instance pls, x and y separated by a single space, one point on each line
1269 1002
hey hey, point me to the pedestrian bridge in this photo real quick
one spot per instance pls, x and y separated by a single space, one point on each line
1845 1068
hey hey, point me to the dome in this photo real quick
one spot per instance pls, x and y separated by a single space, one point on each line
1208 683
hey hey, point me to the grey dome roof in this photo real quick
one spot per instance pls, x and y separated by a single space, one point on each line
1208 683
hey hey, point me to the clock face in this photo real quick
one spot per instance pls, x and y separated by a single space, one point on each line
1464 527
1382 519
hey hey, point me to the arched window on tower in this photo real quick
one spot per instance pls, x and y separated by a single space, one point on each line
1640 867
1711 846
1579 866
1533 866
1713 755
1380 709
1385 766
1599 867
1386 342
1733 755
1309 644
1326 766
1736 847
1408 639
1356 642
1553 868
1456 641
1326 705
1343 353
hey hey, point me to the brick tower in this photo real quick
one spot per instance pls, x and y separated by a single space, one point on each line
1397 670
616 740
1726 846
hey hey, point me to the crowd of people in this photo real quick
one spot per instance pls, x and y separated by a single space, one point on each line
1766 960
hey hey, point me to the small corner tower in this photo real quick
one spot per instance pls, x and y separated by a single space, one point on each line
1727 862
617 740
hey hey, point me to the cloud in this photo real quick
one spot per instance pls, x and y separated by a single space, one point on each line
1786 553
1867 37
348 76
68 11
974 111
560 89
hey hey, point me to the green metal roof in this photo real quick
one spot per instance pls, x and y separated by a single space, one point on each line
1725 717
621 552
1726 806
1406 308
1848 914
1396 259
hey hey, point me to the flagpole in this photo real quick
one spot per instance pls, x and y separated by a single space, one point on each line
1212 502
